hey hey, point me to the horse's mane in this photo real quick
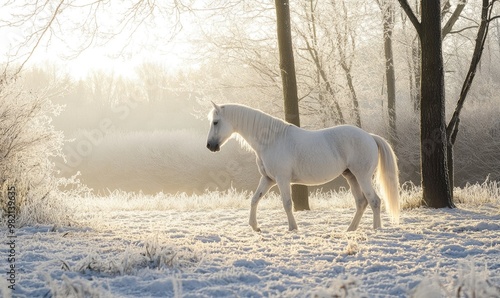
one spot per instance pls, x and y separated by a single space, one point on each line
253 122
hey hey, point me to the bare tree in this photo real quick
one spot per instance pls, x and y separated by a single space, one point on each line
482 33
287 67
433 141
328 48
388 19
346 45
414 53
437 139
328 105
248 48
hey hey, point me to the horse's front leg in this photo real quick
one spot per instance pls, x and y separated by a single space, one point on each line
264 185
285 190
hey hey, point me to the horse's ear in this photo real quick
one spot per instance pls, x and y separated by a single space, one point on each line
216 107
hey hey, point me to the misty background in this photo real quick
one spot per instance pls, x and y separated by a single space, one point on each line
135 91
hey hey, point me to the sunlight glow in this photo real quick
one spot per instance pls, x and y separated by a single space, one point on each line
113 42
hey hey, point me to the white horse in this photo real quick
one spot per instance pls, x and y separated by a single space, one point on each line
287 154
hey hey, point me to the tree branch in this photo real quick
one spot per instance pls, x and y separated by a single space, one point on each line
452 128
494 18
47 27
446 9
413 18
452 20
463 29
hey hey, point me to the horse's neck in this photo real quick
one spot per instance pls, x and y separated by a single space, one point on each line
258 129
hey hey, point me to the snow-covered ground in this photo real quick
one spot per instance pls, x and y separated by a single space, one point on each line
181 246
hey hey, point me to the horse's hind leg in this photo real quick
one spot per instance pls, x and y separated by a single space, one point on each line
372 198
359 197
285 190
264 185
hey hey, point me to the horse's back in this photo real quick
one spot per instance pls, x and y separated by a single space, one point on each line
342 137
359 147
321 155
348 145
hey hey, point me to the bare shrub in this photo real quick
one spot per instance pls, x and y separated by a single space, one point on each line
152 254
28 142
76 288
340 288
471 281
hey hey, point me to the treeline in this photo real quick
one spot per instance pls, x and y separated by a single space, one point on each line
152 99
113 120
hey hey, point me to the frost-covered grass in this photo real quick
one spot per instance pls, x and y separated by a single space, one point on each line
131 244
411 197
210 200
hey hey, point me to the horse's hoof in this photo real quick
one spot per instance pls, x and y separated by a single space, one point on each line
256 229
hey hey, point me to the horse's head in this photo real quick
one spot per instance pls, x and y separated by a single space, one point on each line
220 129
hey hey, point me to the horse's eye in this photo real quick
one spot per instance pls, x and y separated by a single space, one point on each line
216 122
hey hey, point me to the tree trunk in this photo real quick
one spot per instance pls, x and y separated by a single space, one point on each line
451 171
291 102
388 20
434 162
417 69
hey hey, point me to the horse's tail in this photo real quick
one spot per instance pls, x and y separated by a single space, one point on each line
388 177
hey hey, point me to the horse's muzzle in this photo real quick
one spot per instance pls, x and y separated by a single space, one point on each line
214 147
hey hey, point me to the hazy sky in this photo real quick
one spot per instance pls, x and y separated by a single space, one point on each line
119 44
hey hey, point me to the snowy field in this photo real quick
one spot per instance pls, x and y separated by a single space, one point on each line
127 245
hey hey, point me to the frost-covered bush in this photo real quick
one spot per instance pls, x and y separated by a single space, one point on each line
28 142
152 254
76 288
471 281
479 193
339 288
